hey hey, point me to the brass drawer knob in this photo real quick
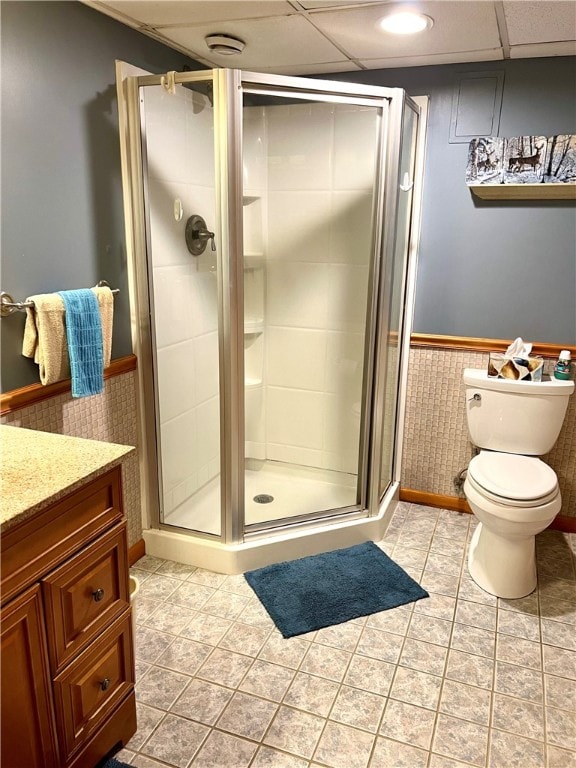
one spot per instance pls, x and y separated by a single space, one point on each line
98 594
105 684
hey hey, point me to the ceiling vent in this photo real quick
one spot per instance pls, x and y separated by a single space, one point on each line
224 44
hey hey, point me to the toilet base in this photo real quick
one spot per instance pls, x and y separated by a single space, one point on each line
502 566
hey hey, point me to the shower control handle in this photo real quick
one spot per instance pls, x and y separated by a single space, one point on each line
197 235
204 234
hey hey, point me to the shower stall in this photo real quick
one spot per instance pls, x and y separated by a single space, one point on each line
270 225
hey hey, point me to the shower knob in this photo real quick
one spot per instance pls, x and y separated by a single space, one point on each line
197 235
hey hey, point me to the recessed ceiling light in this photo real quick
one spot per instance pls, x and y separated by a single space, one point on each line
406 23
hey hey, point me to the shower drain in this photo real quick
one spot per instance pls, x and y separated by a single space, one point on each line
263 498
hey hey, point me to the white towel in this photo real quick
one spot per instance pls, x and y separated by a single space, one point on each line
45 333
106 300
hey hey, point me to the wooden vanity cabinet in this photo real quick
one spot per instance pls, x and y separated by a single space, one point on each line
28 725
67 665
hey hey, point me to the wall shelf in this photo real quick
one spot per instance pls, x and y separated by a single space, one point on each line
524 191
253 326
254 260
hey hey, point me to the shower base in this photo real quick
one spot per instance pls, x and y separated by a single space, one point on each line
295 490
273 546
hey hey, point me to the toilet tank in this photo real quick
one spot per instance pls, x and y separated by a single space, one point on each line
515 416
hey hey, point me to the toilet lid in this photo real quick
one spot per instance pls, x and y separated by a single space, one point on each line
519 478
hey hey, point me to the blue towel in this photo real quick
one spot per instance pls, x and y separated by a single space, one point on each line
84 337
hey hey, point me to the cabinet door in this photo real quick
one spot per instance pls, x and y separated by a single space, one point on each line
28 731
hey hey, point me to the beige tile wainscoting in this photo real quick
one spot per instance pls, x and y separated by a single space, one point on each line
436 444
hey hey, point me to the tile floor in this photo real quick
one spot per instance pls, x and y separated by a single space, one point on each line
459 679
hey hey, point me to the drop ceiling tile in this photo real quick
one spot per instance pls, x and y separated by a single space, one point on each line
310 5
311 69
159 12
271 42
203 58
540 22
281 39
543 49
458 26
492 54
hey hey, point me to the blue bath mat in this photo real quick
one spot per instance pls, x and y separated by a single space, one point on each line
322 590
113 763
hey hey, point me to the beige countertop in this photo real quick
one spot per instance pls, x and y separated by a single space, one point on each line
37 468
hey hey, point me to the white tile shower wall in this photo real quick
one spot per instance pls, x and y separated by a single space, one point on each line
180 167
110 417
320 187
255 219
255 162
436 443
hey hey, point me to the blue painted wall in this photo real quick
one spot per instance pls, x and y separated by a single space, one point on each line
62 214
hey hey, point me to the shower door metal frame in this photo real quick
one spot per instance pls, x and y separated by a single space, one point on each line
407 297
381 99
228 104
420 104
228 173
138 249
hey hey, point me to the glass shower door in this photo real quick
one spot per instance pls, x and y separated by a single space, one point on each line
179 183
310 182
397 292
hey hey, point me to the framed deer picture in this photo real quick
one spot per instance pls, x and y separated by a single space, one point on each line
485 160
524 159
523 162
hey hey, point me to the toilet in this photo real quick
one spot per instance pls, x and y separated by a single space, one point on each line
510 490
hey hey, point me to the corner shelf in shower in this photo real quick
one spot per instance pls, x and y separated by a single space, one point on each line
253 260
252 383
252 326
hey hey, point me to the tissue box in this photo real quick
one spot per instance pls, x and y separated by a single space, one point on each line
503 366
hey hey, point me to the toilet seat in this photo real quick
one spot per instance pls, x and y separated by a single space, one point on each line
513 480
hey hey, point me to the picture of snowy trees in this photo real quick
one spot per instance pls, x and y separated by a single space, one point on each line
560 164
485 157
522 160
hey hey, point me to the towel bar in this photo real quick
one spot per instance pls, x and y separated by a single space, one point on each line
8 306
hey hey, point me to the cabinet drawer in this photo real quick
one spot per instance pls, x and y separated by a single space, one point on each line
31 549
94 684
84 595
